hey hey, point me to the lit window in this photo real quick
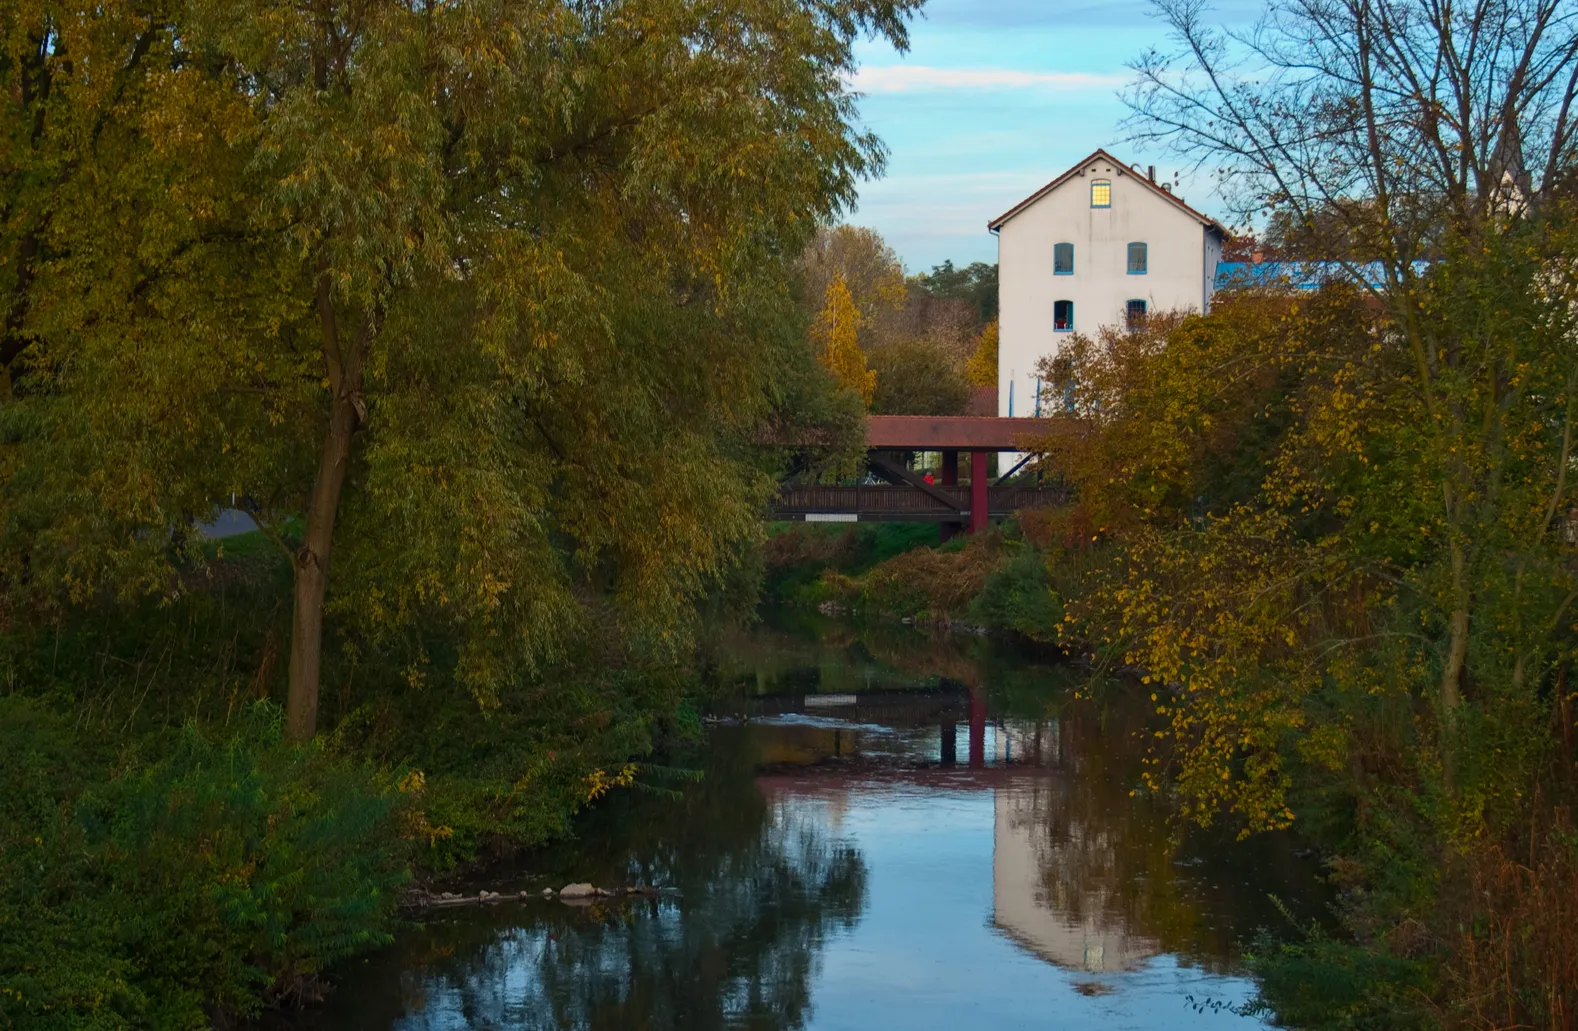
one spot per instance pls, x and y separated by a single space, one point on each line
1063 259
1101 193
1139 259
1062 316
1134 312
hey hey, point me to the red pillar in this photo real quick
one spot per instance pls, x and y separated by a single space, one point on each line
979 513
977 728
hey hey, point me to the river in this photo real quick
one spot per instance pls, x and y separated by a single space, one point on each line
892 830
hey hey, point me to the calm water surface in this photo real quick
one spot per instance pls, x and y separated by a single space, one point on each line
893 831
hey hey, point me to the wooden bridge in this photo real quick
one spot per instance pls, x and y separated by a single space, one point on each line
907 497
885 503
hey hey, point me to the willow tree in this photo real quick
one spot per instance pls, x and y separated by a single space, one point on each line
489 295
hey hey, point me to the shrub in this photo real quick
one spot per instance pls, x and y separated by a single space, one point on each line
1018 596
225 875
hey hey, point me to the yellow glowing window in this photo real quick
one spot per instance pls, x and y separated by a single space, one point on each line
1101 193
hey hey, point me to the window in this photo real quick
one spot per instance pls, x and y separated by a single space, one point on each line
1063 259
1139 259
1134 313
1101 193
1062 316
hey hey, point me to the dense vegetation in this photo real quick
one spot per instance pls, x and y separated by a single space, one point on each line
481 312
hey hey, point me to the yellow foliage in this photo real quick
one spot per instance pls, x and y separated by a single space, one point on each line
600 782
838 333
981 367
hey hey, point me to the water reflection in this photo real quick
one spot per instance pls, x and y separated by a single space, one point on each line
892 832
740 951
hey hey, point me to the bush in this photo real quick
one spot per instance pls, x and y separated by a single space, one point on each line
1018 596
1323 984
222 877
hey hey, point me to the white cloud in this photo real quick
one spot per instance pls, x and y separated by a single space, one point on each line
909 78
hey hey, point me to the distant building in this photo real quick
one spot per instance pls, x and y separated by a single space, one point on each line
1100 245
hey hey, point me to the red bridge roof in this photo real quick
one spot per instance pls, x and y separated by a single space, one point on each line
960 432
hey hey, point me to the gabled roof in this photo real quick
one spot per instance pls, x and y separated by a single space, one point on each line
1124 168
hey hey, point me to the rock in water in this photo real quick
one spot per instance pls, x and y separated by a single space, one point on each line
577 891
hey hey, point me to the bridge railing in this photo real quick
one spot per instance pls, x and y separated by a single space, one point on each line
876 502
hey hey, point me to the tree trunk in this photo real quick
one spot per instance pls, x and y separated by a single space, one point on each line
312 574
312 560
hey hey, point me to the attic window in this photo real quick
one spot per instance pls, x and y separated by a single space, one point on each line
1062 316
1063 259
1101 193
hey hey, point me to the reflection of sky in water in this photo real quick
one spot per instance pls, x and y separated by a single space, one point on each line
836 869
925 953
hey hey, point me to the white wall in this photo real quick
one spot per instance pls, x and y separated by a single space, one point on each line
1182 267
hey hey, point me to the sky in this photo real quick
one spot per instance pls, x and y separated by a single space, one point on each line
993 100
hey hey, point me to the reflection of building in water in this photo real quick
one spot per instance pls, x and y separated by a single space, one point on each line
1038 898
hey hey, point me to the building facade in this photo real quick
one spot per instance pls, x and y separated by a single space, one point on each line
1100 245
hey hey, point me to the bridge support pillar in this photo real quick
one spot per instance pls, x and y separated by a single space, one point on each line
977 728
979 514
948 747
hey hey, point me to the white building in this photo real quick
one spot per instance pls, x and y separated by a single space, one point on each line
1098 245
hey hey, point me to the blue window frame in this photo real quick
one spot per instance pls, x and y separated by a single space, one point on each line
1101 193
1139 259
1062 259
1134 313
1062 316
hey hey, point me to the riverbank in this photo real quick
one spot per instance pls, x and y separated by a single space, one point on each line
1013 579
168 860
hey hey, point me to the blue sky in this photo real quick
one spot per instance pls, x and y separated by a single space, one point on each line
994 99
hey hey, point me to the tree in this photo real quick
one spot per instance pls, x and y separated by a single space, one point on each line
975 284
838 330
982 366
915 376
1389 135
488 295
872 273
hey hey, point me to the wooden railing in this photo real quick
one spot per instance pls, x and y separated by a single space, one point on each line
881 502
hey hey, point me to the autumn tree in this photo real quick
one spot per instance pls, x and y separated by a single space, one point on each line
982 365
838 331
482 301
1403 138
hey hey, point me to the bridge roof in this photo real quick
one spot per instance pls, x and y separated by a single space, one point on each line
960 432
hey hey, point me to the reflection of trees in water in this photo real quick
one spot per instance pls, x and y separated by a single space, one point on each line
1110 862
761 888
806 651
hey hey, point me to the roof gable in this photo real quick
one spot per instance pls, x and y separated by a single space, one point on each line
1121 168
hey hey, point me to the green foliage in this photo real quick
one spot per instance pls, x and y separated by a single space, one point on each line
491 295
917 376
797 554
1322 984
226 871
975 284
1018 595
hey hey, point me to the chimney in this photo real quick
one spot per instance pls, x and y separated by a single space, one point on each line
1150 172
